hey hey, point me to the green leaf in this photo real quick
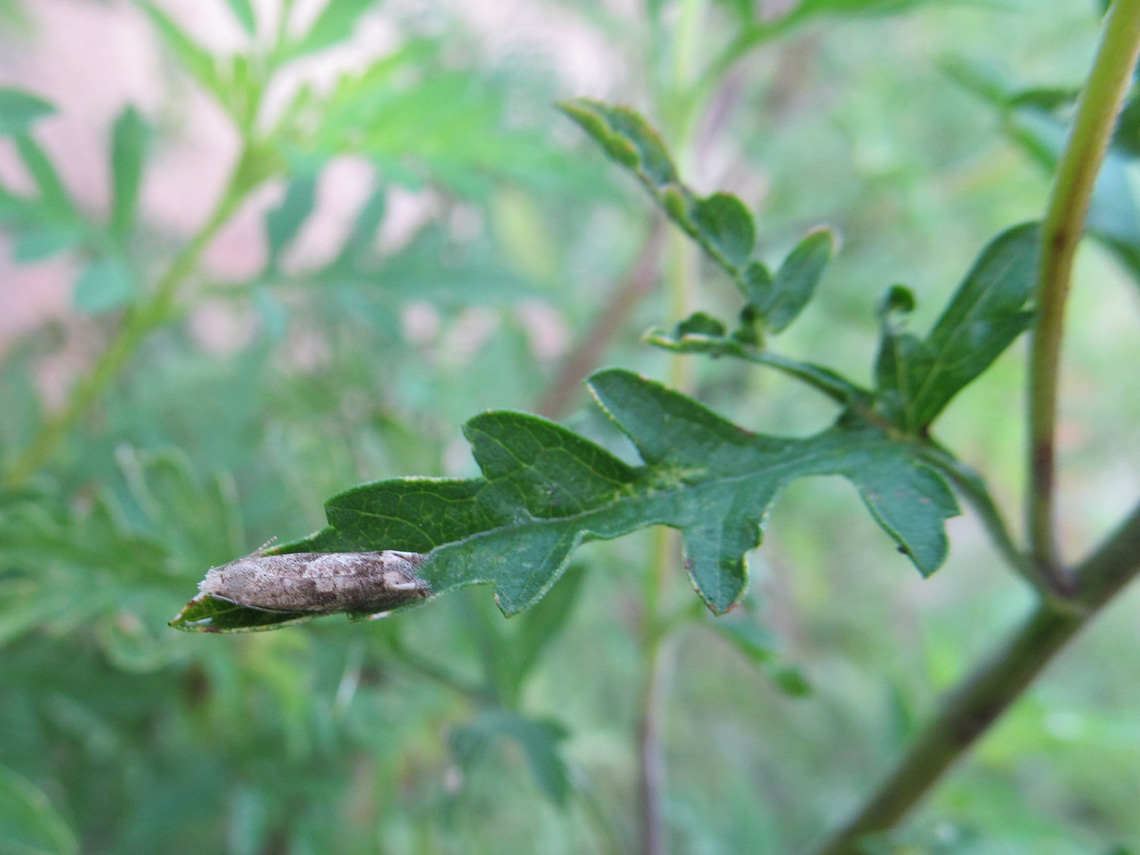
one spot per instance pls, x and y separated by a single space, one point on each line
916 379
209 614
129 140
726 227
539 739
243 11
699 324
334 24
796 279
39 244
198 62
540 625
545 490
363 233
20 110
106 283
53 195
284 222
29 825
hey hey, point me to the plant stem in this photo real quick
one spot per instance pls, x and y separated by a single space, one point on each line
981 699
1061 232
138 321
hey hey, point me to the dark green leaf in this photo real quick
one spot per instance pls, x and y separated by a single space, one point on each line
29 825
796 279
208 614
700 324
916 379
284 222
106 283
243 11
20 110
129 141
545 490
1127 135
759 290
725 226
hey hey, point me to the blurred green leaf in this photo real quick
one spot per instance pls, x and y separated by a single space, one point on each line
335 23
29 825
20 110
129 141
198 62
283 223
1030 119
542 624
539 740
53 195
916 379
243 11
39 244
106 283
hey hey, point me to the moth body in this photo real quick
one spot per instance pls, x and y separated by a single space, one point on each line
319 581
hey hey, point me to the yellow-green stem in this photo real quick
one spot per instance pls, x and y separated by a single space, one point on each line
1064 221
138 321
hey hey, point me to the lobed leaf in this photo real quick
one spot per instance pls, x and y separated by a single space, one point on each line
545 490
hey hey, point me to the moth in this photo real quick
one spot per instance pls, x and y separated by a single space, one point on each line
319 582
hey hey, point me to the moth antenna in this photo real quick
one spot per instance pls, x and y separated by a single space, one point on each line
261 549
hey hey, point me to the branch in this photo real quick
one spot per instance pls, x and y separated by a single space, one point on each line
982 698
1064 221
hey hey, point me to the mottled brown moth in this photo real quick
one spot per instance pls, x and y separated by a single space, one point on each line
319 582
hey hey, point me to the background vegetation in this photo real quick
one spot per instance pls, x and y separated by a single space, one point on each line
204 410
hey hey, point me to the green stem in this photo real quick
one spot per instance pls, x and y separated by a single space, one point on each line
139 320
982 698
1064 221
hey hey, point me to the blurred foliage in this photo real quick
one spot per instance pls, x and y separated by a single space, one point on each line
450 729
